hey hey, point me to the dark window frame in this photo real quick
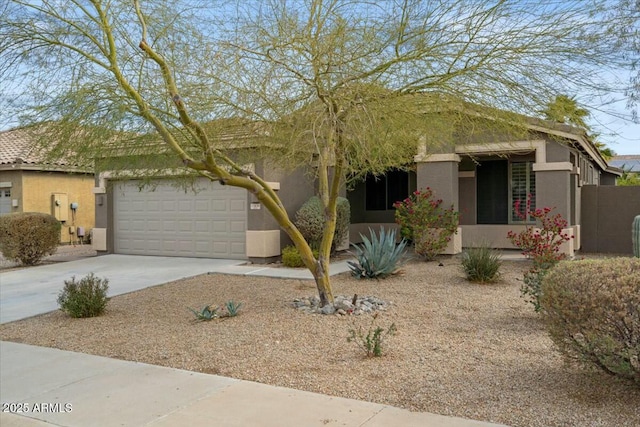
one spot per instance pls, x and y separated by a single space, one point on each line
495 190
381 192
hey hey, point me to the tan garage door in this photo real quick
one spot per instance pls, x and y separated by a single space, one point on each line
167 221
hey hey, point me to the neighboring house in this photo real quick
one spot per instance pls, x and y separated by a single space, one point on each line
29 183
482 180
628 163
630 166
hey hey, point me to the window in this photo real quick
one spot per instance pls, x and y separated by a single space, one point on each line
492 192
381 192
523 185
501 185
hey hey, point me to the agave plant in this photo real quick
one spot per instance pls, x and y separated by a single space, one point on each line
207 313
232 308
379 256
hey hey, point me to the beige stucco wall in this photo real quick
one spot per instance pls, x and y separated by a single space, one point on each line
37 191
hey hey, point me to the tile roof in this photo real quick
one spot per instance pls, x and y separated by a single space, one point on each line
17 147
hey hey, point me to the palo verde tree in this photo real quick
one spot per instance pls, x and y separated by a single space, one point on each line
628 42
346 88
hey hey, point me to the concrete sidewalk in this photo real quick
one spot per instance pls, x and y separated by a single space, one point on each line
55 387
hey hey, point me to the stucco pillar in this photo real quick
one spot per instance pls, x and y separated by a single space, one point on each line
103 214
440 173
553 190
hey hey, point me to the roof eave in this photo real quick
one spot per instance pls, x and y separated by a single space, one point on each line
581 139
44 168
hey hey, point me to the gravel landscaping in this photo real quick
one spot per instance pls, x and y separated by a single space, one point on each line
469 350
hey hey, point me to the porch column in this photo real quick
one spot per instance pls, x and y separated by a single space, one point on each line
440 173
553 190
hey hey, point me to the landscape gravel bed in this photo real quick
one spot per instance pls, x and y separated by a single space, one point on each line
470 350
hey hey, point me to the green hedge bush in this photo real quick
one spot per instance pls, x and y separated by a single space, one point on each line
27 237
592 311
310 221
292 258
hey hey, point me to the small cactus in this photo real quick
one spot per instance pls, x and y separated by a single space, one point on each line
635 236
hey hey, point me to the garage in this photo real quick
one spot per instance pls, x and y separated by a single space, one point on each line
164 220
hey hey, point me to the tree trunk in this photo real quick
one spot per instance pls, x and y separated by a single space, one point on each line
319 268
322 278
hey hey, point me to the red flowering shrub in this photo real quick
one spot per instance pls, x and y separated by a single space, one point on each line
424 221
542 245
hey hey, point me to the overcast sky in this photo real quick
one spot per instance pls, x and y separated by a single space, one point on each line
622 136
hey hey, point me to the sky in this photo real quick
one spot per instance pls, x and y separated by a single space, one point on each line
627 140
622 136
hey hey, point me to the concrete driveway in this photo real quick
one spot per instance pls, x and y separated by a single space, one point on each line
32 291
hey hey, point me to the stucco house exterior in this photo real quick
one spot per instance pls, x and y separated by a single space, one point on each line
214 221
481 180
30 183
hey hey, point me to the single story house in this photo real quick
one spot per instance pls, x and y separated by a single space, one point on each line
483 181
31 183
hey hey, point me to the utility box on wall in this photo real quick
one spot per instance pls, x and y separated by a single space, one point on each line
60 206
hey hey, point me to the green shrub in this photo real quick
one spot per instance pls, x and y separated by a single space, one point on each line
592 311
86 298
292 258
372 341
531 288
481 264
310 221
378 257
28 237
